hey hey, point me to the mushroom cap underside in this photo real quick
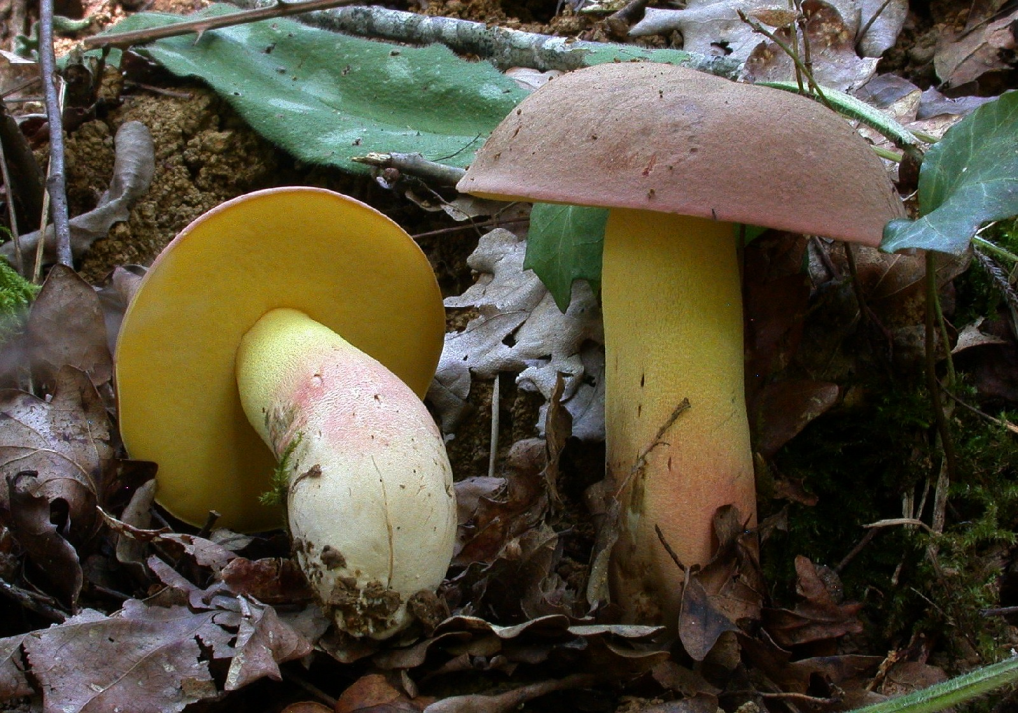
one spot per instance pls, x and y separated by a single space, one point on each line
664 138
339 261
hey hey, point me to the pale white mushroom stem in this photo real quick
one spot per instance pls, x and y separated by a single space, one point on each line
673 330
370 502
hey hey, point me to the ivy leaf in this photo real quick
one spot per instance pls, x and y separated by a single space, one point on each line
564 244
326 97
967 178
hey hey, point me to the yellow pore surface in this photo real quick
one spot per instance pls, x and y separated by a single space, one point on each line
339 261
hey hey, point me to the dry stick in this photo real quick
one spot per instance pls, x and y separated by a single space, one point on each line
56 183
869 23
279 9
496 396
501 46
19 264
490 223
414 164
992 419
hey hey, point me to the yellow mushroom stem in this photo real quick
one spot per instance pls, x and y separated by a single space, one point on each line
673 327
370 501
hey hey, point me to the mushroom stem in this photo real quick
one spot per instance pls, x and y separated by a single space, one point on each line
672 299
370 500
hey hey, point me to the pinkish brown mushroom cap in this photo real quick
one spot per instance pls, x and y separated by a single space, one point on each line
669 139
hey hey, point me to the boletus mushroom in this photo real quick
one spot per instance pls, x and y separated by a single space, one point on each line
680 157
306 321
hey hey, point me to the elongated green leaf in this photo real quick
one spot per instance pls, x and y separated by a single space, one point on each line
951 693
967 178
563 245
326 97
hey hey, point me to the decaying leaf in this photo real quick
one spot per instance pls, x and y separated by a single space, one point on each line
57 461
519 329
986 44
832 43
66 327
133 169
714 27
820 616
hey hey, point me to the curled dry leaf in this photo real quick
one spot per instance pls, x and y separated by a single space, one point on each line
374 694
56 461
133 169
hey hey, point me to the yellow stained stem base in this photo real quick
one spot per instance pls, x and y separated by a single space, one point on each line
673 330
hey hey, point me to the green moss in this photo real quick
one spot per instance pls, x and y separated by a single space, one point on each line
16 294
861 463
281 476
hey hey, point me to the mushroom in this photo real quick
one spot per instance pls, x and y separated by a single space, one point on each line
307 321
680 158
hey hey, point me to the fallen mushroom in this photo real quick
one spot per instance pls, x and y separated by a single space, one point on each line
680 156
256 324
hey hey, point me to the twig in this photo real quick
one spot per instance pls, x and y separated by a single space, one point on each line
668 548
496 396
56 182
281 8
416 165
869 23
499 45
992 419
793 55
19 263
42 605
859 547
900 521
943 427
618 22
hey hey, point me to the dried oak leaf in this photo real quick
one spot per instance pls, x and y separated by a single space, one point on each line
818 618
519 329
149 658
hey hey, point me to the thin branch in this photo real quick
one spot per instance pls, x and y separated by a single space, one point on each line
56 182
202 25
943 427
416 165
792 54
501 46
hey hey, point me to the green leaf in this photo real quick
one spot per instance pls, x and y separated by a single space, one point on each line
326 97
967 178
563 245
951 693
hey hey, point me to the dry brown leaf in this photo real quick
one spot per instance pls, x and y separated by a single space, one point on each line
818 618
782 409
987 44
832 44
374 694
66 327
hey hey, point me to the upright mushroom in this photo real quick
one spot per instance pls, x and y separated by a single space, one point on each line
308 321
680 156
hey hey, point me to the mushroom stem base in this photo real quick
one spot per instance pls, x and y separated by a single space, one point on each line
370 502
673 330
